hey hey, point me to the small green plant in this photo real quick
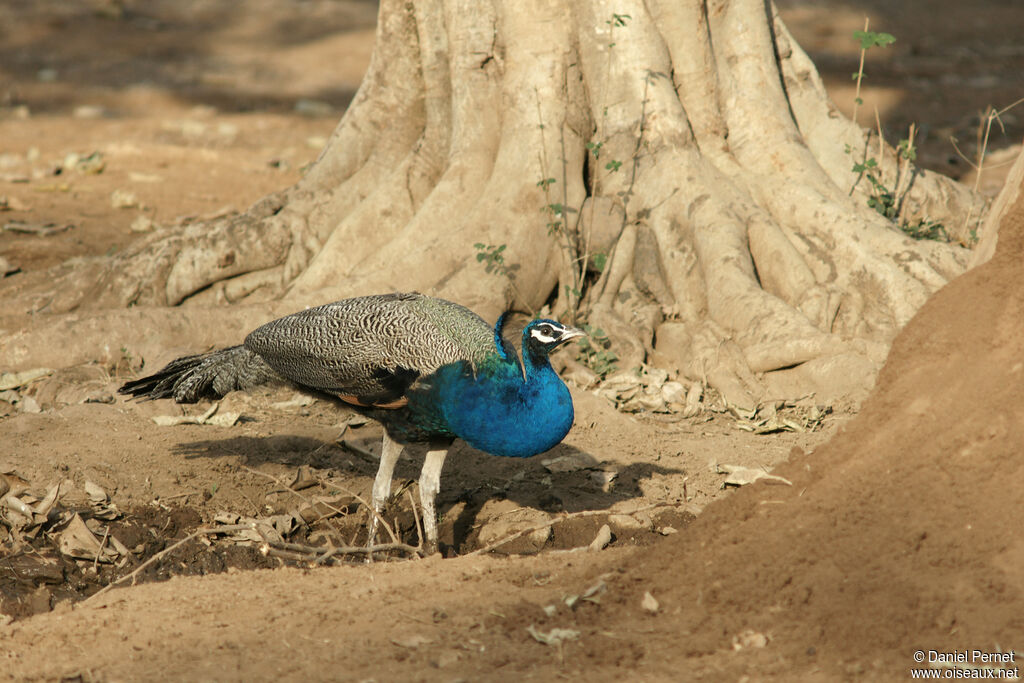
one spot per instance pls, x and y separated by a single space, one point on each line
882 199
926 229
492 257
557 212
619 19
600 261
868 39
886 200
595 352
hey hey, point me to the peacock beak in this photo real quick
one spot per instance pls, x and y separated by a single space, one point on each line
571 333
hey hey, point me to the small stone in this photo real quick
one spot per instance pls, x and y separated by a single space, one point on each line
313 108
625 521
603 479
674 392
603 538
91 165
649 603
123 199
142 223
29 405
89 111
749 639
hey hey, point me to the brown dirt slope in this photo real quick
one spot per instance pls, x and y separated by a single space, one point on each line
899 534
896 536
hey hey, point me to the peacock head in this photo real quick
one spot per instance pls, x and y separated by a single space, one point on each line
543 336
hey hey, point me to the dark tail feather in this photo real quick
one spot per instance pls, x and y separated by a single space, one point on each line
209 375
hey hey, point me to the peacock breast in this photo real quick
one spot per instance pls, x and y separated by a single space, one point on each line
501 413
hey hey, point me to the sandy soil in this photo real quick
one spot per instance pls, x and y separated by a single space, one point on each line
894 536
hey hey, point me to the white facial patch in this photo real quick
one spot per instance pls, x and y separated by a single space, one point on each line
555 335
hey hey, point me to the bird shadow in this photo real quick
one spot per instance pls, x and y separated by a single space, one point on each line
562 480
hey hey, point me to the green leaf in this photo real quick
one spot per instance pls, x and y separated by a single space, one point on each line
868 164
613 165
600 261
870 39
906 151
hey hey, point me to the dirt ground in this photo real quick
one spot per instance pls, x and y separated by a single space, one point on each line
894 534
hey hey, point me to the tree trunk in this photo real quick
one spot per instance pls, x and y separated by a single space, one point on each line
671 170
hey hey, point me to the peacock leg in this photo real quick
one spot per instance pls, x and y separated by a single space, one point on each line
389 452
430 485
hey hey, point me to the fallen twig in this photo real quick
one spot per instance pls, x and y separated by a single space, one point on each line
180 495
366 550
319 555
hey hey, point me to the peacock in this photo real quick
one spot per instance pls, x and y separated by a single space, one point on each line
429 370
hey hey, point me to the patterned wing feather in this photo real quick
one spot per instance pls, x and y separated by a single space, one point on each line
373 347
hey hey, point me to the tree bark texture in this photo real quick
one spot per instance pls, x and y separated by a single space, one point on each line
672 171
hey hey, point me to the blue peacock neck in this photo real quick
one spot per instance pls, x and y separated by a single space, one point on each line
536 363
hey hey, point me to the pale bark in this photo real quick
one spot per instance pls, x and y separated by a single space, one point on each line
733 210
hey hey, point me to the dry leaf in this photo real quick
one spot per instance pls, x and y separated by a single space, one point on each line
96 493
412 642
555 636
571 463
13 380
77 541
741 476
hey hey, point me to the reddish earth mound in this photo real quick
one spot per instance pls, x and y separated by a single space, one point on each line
902 534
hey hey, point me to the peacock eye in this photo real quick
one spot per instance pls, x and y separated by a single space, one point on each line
546 330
